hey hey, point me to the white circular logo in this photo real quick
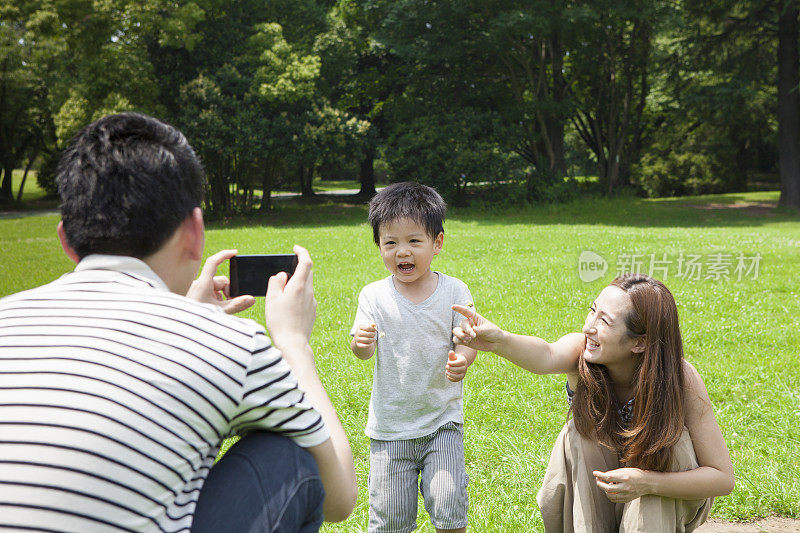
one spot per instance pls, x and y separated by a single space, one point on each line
591 266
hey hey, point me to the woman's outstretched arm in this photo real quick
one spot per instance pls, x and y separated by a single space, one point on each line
531 353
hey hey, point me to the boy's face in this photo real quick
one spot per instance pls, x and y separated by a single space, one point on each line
407 249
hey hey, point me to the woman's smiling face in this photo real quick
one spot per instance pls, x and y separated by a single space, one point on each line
607 339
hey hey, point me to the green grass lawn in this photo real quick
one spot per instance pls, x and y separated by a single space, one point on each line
522 268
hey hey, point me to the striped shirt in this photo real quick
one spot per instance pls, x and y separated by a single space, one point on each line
115 394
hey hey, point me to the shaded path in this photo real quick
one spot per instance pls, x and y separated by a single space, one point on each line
772 524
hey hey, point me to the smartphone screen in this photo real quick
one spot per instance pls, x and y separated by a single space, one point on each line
250 273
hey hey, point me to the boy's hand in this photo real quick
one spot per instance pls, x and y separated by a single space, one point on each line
212 289
365 336
456 367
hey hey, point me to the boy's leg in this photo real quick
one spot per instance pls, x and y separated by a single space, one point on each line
569 499
444 478
393 474
265 482
654 513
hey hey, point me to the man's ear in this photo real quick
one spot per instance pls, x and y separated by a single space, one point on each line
437 243
69 250
641 343
194 234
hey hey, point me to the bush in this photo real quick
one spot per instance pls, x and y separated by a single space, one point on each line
46 177
678 174
447 152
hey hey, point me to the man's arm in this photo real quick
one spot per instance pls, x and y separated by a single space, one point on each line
334 456
290 315
214 289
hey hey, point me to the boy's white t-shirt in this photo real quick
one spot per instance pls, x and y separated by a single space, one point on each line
411 396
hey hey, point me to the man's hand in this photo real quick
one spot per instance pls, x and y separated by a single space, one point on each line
475 331
456 367
623 484
212 289
291 308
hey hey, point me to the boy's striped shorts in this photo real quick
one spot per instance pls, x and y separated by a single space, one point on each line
395 467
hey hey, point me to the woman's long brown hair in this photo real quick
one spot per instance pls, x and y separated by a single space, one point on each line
658 410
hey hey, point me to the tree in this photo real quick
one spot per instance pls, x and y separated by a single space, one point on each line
359 75
23 94
610 83
789 105
734 37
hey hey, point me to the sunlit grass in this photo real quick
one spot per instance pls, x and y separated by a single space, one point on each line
522 268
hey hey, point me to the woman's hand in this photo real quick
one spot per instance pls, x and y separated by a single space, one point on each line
475 331
623 484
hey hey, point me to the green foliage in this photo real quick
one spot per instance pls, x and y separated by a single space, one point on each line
283 74
46 176
446 152
454 92
678 174
24 119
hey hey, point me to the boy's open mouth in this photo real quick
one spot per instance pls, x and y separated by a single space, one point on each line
405 268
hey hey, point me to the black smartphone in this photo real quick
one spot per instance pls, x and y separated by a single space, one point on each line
250 273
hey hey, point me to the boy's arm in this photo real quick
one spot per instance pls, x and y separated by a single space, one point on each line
363 342
365 331
458 361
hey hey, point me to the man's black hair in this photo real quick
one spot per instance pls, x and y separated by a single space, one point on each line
410 200
126 183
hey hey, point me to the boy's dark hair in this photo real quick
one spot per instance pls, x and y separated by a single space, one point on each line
126 183
411 200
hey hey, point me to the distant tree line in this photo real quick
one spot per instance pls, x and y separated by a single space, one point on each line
517 98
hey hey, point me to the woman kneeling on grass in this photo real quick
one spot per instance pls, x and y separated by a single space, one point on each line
643 451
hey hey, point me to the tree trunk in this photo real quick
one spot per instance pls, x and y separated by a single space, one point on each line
6 190
305 176
25 174
559 163
366 174
789 107
266 189
741 163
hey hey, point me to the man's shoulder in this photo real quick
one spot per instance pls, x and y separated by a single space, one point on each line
212 312
138 297
27 294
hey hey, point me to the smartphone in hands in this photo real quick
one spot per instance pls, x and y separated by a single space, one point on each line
250 274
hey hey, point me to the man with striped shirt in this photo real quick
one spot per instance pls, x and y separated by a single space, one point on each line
116 389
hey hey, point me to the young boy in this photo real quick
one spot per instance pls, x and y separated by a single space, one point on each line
416 413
